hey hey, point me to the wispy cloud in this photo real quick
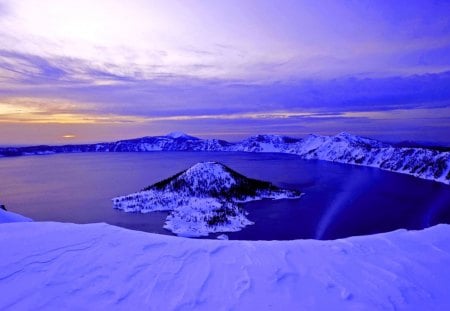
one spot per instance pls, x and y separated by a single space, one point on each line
93 90
285 66
205 40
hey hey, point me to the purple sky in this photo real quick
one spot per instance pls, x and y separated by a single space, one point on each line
82 71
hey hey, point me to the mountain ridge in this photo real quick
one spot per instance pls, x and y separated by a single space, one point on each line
426 163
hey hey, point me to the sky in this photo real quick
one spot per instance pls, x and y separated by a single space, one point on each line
76 71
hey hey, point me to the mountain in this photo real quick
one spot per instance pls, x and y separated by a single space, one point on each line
202 199
266 143
427 145
426 163
175 141
180 135
350 149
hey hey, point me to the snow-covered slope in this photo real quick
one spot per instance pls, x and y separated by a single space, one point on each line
175 141
344 148
56 266
266 143
203 199
6 216
351 149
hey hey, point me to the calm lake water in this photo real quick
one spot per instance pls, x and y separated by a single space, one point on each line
340 200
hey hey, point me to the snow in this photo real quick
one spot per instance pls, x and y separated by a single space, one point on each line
222 237
351 149
212 175
60 266
177 134
6 216
196 200
190 219
343 147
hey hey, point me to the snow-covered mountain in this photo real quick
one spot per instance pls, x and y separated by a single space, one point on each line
351 149
345 148
426 163
175 141
202 199
266 143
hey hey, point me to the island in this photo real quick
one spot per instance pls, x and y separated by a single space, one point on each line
203 199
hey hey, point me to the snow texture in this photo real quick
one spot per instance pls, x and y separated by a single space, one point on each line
202 199
60 266
178 135
350 149
344 148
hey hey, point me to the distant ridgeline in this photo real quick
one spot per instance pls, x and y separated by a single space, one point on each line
422 162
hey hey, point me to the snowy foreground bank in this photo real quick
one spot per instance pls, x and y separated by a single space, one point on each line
57 266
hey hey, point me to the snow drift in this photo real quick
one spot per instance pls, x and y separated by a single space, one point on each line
56 266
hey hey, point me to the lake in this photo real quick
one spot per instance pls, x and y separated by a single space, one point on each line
340 200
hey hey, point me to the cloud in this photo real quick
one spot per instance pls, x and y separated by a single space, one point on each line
285 66
233 40
106 92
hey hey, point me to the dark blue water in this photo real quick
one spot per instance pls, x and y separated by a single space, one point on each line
340 200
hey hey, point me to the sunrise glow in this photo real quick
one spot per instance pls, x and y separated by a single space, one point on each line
145 68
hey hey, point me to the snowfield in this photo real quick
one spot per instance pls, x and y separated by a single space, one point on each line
60 266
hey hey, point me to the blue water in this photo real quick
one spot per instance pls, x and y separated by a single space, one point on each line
340 200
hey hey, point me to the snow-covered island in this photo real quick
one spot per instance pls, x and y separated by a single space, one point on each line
203 199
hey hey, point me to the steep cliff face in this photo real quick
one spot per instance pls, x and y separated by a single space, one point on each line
346 148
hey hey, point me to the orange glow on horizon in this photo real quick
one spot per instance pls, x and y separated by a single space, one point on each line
69 136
